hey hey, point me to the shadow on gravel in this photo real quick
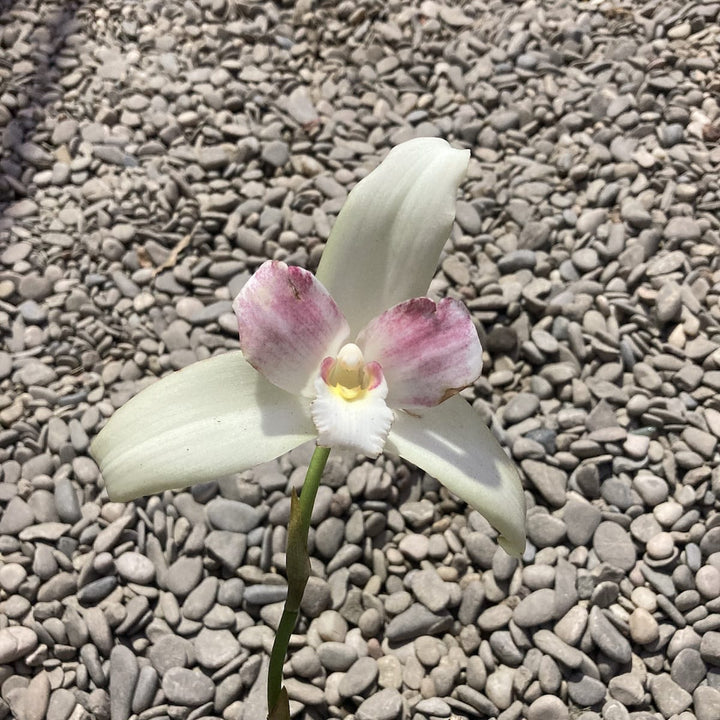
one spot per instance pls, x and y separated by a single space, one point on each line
33 36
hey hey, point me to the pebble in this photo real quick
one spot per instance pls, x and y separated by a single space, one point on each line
671 699
614 546
336 656
643 627
123 676
430 590
187 687
136 568
16 642
415 621
706 701
359 678
548 707
214 648
183 575
607 637
386 704
535 609
688 669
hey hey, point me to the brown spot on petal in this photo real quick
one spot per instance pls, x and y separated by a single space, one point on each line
450 392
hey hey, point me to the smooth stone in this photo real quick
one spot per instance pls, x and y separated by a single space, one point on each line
415 621
627 688
643 627
16 641
17 517
232 515
581 520
431 590
607 637
145 689
384 705
37 697
688 669
585 690
550 481
360 677
187 687
520 407
706 703
214 648
336 656
123 676
614 546
670 698
136 568
170 651
535 609
183 575
548 707
200 599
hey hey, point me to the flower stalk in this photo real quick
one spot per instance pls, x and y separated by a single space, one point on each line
298 571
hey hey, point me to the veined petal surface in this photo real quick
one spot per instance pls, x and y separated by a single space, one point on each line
386 241
451 443
288 323
210 419
428 351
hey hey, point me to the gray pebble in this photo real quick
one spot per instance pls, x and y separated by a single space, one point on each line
535 609
671 699
415 621
170 651
585 690
200 599
607 637
187 687
183 575
430 590
336 656
360 678
232 515
387 704
613 545
123 676
214 648
145 689
136 568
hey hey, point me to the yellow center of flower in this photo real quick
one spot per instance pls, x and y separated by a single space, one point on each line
347 375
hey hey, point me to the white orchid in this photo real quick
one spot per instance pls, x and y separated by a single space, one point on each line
354 358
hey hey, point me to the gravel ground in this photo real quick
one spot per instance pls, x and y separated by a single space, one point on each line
155 153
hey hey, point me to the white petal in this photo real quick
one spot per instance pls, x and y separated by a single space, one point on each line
207 420
450 442
386 242
361 425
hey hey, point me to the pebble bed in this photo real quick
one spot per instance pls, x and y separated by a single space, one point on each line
154 154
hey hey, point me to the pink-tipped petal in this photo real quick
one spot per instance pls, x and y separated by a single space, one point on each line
288 323
428 351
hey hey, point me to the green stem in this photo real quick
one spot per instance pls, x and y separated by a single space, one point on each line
297 570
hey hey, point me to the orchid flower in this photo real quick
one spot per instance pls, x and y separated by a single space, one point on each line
354 357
